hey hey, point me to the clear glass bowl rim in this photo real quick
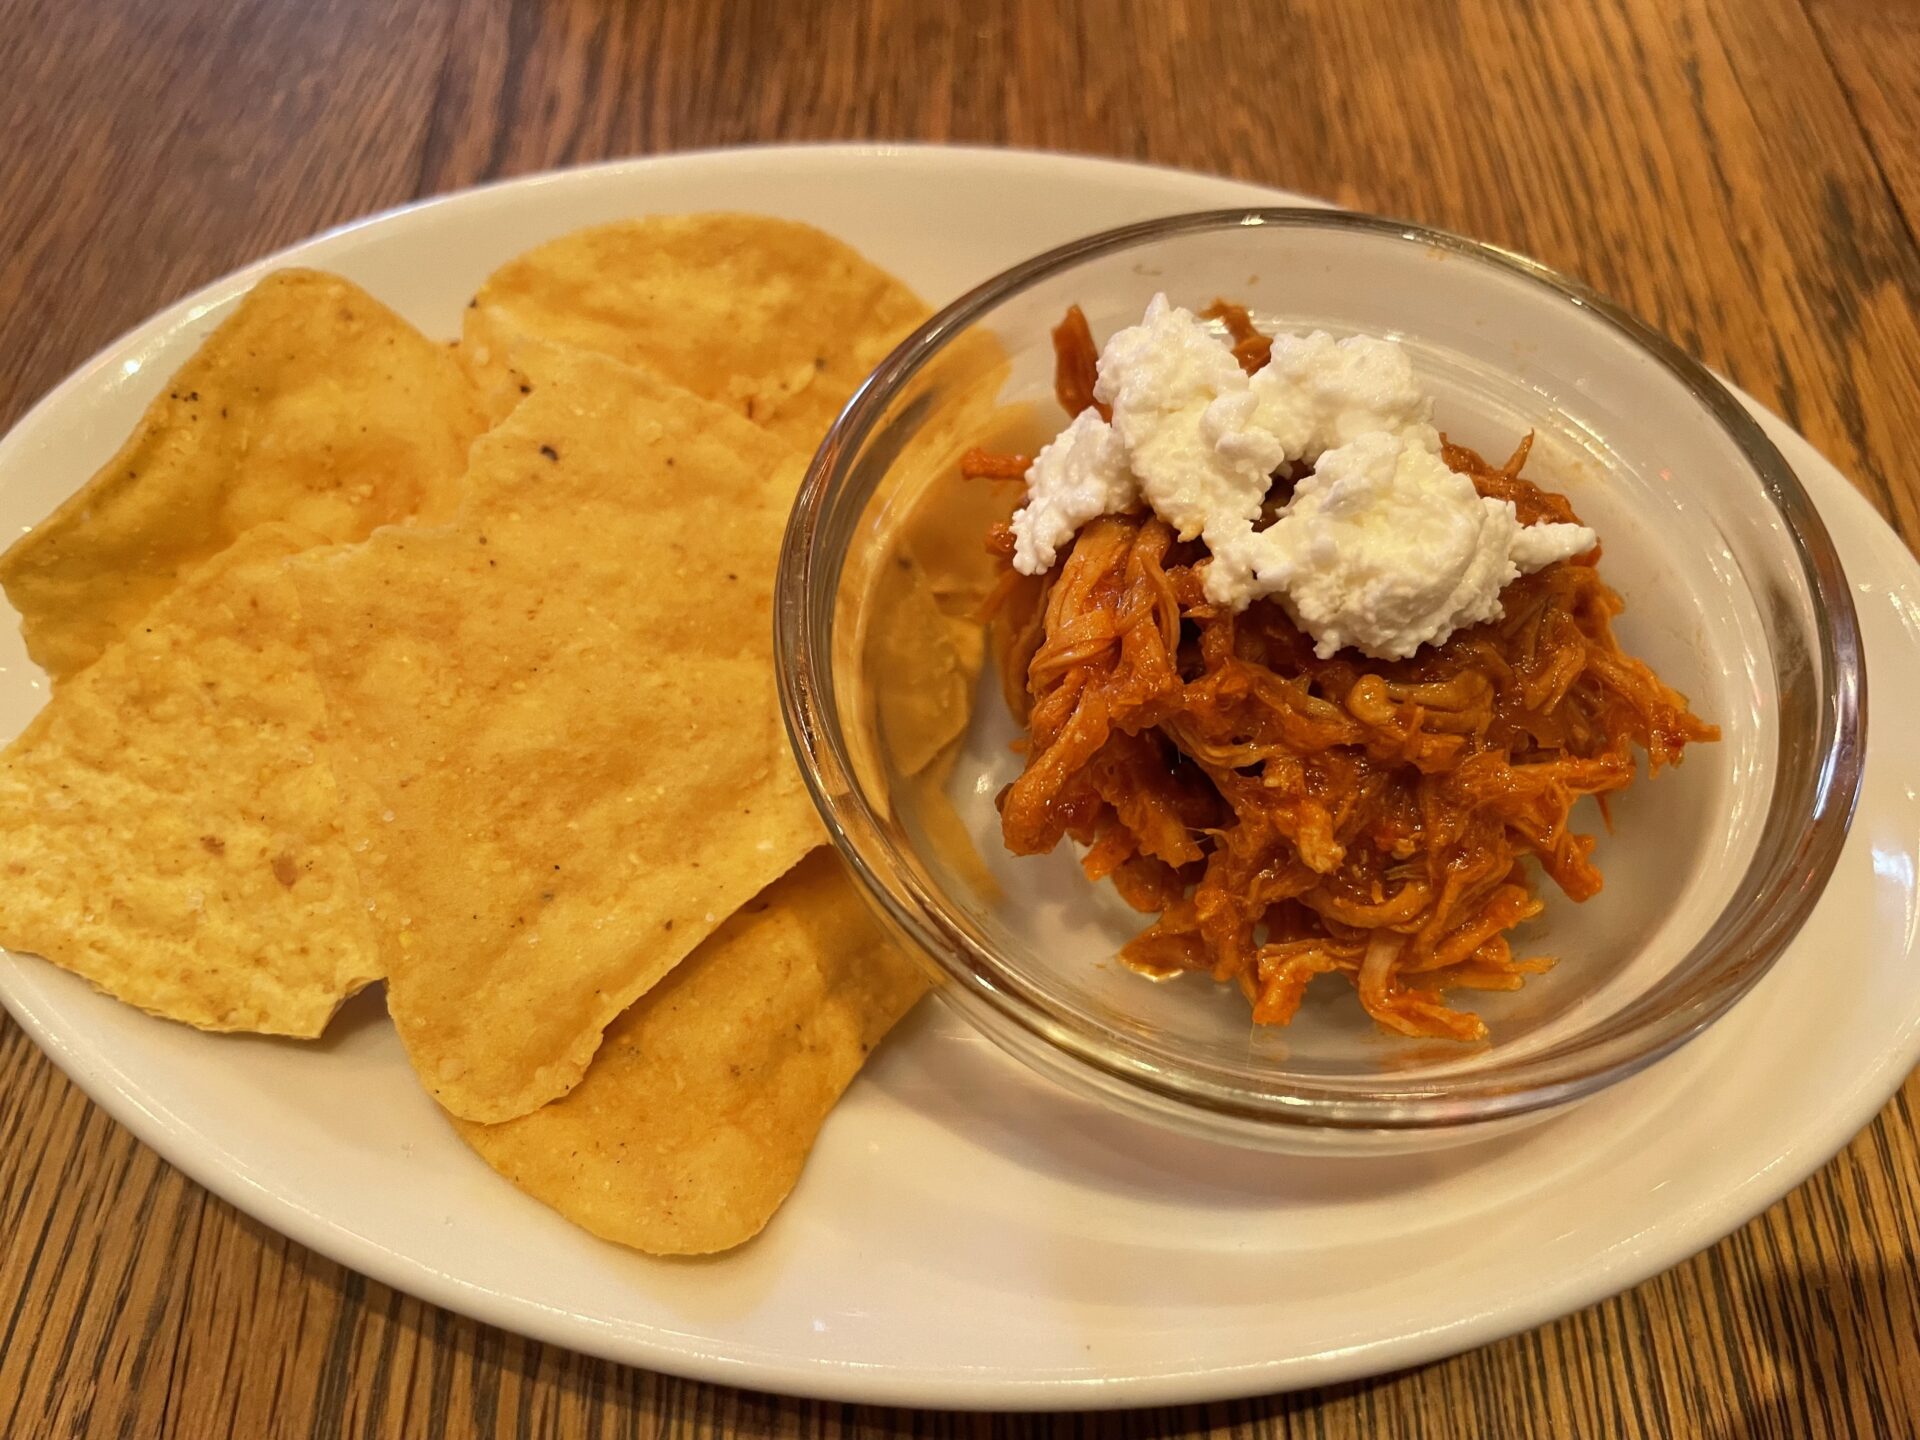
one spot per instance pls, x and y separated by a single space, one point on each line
1800 843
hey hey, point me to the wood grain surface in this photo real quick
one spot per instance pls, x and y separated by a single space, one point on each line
1744 173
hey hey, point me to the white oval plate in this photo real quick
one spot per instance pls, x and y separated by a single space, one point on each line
965 1235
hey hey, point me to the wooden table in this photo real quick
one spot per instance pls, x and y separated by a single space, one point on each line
1743 173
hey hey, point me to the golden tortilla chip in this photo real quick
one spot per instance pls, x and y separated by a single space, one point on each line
168 825
921 503
939 834
947 537
556 723
919 562
921 665
701 1107
776 320
945 526
312 404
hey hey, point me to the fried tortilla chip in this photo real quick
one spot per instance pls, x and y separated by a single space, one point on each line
776 320
940 834
921 503
556 723
920 664
312 403
168 826
920 562
946 536
694 1122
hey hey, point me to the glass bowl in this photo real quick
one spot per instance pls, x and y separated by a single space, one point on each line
1733 593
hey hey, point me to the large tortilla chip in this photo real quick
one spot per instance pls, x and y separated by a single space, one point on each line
700 1110
556 723
774 319
312 404
168 826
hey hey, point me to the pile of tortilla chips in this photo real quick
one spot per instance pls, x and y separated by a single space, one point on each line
376 660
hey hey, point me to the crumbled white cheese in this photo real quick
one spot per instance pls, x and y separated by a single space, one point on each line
1382 547
1327 392
1167 379
1534 547
1385 549
1081 475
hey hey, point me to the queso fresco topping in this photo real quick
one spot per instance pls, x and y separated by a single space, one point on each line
1380 547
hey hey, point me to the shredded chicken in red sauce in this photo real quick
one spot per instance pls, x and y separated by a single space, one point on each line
1286 817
